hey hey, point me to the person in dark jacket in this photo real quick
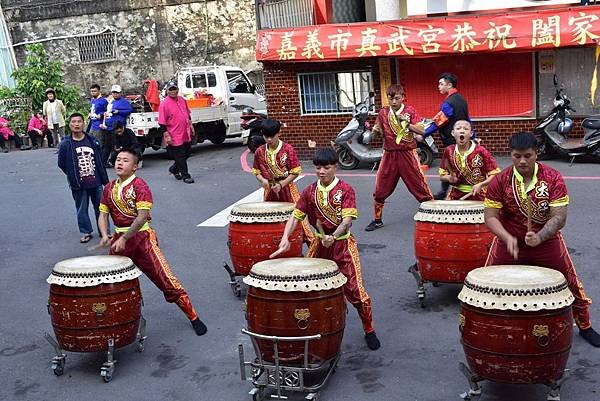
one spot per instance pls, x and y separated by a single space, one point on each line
118 110
453 109
79 157
124 138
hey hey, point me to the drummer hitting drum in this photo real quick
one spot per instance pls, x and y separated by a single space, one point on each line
525 207
467 165
330 205
128 201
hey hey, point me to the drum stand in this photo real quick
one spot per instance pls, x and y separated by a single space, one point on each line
280 377
234 283
475 391
414 269
108 367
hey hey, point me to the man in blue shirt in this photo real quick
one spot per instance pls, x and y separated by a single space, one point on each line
453 109
117 111
98 105
79 158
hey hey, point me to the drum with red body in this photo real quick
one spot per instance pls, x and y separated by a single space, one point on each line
451 239
295 297
93 299
255 230
516 323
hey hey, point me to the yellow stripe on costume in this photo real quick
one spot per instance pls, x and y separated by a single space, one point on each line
104 209
296 170
255 171
491 204
298 214
564 201
143 205
442 172
494 171
350 212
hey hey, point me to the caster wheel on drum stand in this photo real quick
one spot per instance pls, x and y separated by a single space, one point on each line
108 367
107 373
435 284
140 346
257 393
58 367
236 288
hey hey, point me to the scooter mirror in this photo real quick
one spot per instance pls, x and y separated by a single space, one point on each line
555 80
371 94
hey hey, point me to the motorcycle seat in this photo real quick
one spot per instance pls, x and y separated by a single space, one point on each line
592 122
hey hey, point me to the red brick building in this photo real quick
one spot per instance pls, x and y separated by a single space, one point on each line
505 62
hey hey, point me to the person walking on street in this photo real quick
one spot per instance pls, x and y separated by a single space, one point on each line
79 158
98 105
54 110
453 108
174 118
117 111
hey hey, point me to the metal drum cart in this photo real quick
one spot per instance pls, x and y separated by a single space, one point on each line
296 314
95 305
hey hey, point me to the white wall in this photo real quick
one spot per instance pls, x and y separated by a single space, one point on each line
382 10
423 7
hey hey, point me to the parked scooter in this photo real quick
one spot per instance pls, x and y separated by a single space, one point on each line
354 139
251 134
552 132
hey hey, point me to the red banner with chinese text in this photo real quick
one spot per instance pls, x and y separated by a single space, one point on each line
519 31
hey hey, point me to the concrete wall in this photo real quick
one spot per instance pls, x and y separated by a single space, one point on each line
154 37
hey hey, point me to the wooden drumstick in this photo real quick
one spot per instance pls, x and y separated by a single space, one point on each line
320 228
528 214
94 247
468 195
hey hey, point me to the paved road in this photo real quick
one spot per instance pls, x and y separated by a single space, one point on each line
420 352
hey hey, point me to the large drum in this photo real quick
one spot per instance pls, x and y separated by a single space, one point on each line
451 239
255 230
93 299
297 297
516 323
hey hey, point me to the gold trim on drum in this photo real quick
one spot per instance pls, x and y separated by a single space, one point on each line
451 212
302 315
542 333
99 308
261 212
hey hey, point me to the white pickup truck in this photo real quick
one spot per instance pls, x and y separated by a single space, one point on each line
213 123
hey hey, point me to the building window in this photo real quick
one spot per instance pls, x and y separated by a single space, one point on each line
333 92
98 48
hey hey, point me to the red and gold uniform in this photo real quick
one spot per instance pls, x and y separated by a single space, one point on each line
122 201
547 189
276 165
471 168
330 205
400 159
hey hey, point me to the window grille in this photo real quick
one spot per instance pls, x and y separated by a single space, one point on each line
98 48
333 92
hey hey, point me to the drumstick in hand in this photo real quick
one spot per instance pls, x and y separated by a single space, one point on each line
528 214
94 247
320 228
468 195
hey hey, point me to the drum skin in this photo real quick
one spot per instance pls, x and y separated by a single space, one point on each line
84 318
293 314
516 347
447 252
250 243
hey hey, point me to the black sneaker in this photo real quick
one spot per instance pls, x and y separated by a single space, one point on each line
188 180
199 327
374 225
591 336
372 341
178 176
4 150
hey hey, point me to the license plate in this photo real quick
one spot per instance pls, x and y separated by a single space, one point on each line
245 136
429 140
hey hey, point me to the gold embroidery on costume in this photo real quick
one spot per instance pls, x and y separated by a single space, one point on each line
123 204
540 205
333 213
399 125
274 168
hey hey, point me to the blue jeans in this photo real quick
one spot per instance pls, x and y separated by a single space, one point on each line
82 199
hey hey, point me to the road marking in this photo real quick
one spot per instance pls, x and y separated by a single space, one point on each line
220 219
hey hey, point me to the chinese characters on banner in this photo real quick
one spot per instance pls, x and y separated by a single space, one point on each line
545 29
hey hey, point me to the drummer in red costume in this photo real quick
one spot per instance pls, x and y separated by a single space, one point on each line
466 165
398 123
330 205
276 166
526 206
128 201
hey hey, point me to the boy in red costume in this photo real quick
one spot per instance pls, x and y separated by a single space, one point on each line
466 165
128 201
330 205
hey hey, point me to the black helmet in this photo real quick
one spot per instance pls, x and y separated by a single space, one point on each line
248 113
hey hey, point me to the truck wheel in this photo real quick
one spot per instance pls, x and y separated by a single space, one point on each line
217 133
